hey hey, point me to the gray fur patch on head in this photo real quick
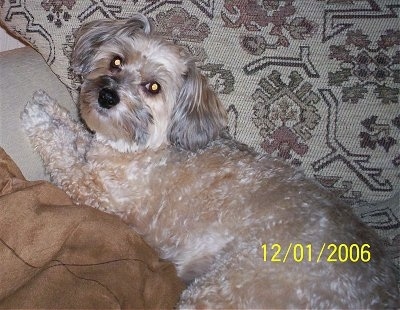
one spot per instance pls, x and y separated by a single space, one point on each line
90 36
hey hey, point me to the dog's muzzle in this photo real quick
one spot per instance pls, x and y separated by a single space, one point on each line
108 98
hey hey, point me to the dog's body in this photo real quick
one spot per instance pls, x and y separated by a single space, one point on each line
160 159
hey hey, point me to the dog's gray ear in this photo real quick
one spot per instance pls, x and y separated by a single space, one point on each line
90 36
198 116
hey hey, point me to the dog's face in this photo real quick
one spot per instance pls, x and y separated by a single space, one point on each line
140 91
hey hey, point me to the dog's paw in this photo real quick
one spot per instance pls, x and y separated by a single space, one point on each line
42 111
34 114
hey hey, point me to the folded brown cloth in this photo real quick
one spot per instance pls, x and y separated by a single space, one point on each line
56 255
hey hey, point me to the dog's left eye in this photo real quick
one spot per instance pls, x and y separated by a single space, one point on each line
153 87
116 63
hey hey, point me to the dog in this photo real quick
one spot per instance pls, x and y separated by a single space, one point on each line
243 230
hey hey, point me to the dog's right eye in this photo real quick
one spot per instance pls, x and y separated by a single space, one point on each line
116 63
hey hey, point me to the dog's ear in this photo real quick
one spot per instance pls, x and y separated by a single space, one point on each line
90 36
198 116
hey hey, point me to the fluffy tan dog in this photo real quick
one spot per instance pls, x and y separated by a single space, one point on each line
243 230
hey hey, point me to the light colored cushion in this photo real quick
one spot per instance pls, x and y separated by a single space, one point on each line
23 71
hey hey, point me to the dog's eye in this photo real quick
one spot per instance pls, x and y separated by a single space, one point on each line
153 87
116 63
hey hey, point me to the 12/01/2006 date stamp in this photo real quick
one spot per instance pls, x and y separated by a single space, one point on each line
329 252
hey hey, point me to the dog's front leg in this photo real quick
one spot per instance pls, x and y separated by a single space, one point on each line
61 142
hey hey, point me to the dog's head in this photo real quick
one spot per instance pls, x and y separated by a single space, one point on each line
140 91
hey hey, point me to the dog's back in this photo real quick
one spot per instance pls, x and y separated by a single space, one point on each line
288 243
251 232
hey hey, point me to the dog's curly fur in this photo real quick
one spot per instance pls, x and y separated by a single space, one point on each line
159 157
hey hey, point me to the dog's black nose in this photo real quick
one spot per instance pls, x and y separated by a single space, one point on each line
108 98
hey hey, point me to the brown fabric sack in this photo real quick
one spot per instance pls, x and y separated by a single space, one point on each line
57 255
